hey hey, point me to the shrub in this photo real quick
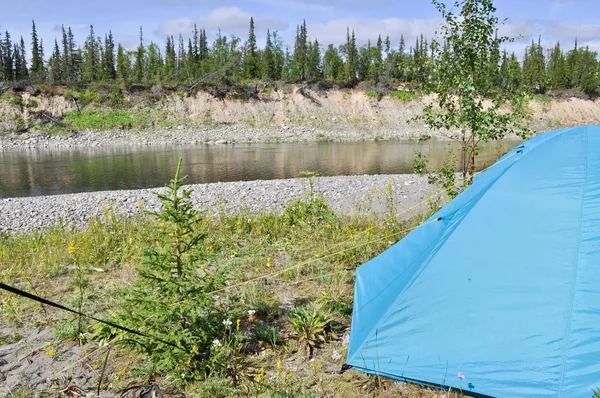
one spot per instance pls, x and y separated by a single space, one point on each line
403 95
372 93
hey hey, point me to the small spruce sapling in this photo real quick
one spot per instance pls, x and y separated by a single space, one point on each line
171 297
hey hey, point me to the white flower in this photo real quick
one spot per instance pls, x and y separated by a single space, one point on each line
335 355
251 312
227 322
217 343
183 375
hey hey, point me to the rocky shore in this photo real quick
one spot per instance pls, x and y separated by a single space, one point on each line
345 195
181 136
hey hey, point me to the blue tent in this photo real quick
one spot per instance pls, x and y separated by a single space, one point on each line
501 285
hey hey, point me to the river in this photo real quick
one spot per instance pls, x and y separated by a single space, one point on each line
39 172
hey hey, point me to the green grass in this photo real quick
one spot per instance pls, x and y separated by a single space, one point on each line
108 119
305 255
372 93
403 95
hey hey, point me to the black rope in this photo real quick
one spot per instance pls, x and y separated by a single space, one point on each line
33 297
103 369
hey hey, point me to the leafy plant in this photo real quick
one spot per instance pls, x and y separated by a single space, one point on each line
372 93
468 106
310 325
403 95
311 209
267 333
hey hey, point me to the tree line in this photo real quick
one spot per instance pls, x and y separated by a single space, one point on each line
100 59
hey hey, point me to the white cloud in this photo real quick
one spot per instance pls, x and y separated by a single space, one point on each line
365 29
231 20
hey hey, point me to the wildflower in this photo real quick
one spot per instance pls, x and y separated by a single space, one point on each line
227 322
50 352
251 312
183 375
460 375
71 250
268 262
335 355
237 325
443 396
217 343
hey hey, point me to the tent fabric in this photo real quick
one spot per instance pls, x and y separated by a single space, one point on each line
504 287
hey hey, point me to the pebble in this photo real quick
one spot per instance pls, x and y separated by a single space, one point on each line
344 194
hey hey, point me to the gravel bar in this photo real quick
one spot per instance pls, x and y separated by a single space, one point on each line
345 195
184 136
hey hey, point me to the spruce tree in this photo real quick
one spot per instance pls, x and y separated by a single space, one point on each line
251 61
54 65
7 58
91 58
534 68
123 64
314 70
21 71
37 60
279 55
299 64
139 69
558 76
575 66
351 57
589 74
108 59
170 60
268 60
154 64
181 60
401 69
333 65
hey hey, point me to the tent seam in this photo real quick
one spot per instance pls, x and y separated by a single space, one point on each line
574 272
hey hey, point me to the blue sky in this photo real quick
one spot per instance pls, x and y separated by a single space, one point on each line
326 19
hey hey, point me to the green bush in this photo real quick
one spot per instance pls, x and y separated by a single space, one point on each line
106 119
403 95
372 93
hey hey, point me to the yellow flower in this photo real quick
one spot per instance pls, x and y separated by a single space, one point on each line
237 324
279 364
50 352
71 250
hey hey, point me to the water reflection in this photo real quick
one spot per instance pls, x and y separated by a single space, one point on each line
51 172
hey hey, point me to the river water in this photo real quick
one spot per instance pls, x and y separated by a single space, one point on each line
51 172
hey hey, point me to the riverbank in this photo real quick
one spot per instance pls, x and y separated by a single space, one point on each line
375 194
55 121
183 136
